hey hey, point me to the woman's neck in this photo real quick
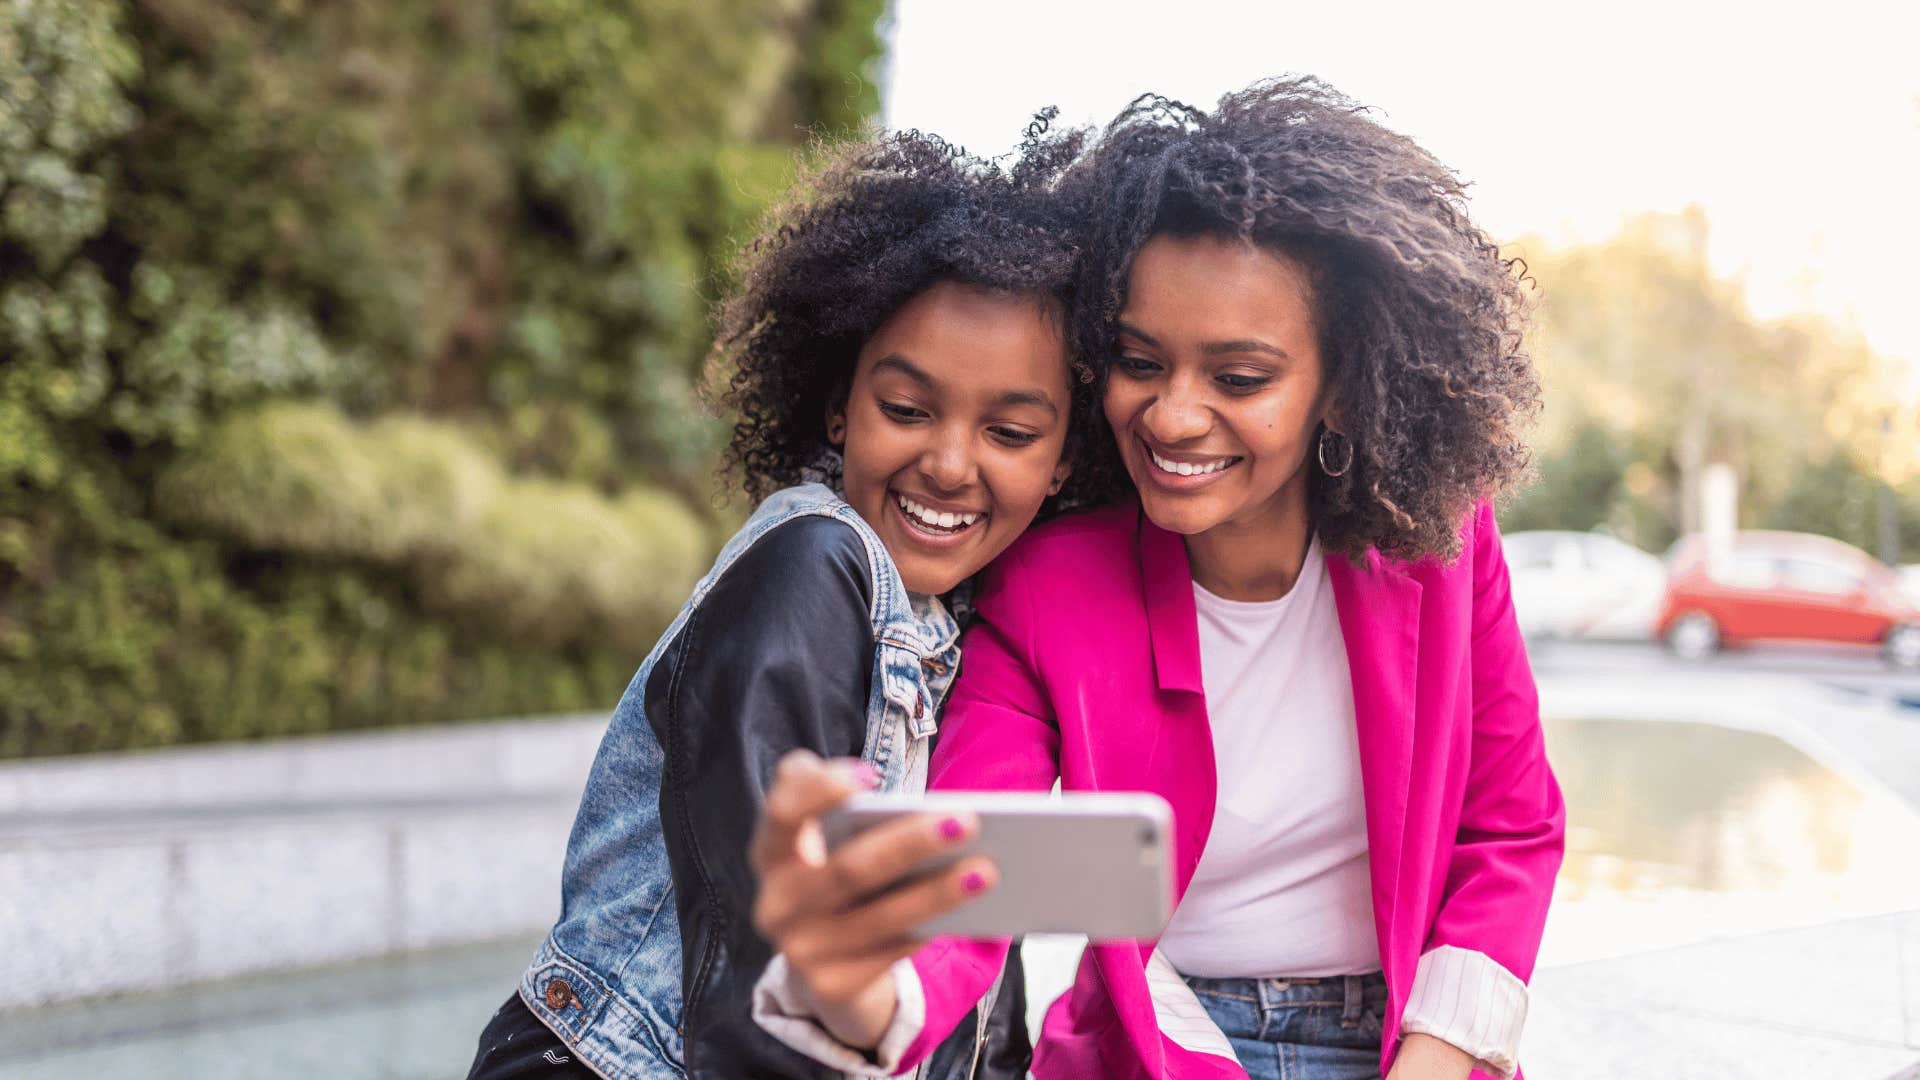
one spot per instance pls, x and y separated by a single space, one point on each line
1258 557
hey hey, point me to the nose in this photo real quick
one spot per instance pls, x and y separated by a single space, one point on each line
947 462
1177 413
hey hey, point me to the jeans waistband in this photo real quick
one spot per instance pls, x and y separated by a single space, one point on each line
1350 992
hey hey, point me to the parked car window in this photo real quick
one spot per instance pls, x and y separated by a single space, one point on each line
1807 575
1614 556
1567 557
1750 571
1528 552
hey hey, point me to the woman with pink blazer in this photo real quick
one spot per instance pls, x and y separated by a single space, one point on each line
1295 628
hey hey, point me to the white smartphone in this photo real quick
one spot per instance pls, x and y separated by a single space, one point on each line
1093 863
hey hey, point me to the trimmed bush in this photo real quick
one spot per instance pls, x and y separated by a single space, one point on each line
293 479
543 563
553 564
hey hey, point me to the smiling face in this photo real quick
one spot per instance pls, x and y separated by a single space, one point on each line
1217 385
954 429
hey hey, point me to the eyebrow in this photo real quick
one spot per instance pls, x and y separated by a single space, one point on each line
1216 348
1036 398
895 362
1212 348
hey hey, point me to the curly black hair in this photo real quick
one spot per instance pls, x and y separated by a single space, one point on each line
1420 317
864 231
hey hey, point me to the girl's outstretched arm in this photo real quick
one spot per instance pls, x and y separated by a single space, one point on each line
997 733
774 658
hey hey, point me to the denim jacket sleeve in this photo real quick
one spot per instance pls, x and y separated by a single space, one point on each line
778 656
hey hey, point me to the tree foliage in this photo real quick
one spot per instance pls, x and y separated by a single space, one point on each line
1654 367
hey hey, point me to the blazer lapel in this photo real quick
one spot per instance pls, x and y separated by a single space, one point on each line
1171 620
1177 753
1380 623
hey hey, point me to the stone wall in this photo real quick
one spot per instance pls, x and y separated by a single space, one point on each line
139 871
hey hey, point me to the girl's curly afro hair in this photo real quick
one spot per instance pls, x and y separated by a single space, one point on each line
1420 317
861 234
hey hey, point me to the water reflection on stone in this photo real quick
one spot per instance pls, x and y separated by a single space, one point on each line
1679 832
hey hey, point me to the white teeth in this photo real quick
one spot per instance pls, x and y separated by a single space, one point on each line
1187 468
939 519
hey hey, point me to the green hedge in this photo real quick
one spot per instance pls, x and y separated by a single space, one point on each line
531 560
151 639
348 348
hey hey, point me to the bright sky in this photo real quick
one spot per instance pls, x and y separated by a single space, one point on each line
1796 127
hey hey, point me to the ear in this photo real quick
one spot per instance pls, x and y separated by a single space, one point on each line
1060 474
837 422
1331 418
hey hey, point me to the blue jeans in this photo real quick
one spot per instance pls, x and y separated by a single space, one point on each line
1300 1029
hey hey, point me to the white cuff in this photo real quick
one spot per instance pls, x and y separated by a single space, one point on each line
1467 999
780 1008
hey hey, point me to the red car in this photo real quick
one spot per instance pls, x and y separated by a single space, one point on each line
1785 586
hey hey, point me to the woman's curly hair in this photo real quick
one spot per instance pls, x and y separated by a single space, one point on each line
1420 318
861 234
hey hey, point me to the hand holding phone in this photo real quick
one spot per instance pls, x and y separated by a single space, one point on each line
842 919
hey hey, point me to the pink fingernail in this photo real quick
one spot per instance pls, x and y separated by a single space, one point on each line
952 829
866 774
973 882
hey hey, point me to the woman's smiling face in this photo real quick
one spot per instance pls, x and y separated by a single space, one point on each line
954 429
1217 385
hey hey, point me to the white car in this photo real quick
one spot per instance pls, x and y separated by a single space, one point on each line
1909 579
1583 585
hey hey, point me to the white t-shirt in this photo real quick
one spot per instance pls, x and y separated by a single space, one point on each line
1283 887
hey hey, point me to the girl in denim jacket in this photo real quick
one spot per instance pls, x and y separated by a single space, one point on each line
897 360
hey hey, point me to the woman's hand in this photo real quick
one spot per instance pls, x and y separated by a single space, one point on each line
842 920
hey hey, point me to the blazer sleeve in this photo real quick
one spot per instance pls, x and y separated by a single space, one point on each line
1512 821
1470 989
998 733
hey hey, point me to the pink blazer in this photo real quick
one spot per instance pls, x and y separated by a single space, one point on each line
1085 665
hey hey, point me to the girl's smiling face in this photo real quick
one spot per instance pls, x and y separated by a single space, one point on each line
1217 385
955 427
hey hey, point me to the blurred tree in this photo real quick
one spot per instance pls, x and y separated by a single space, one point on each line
1578 487
1654 368
1836 497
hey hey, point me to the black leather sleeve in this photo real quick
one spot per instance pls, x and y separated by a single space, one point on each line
777 656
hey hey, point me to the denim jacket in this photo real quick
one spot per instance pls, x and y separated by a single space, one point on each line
610 979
